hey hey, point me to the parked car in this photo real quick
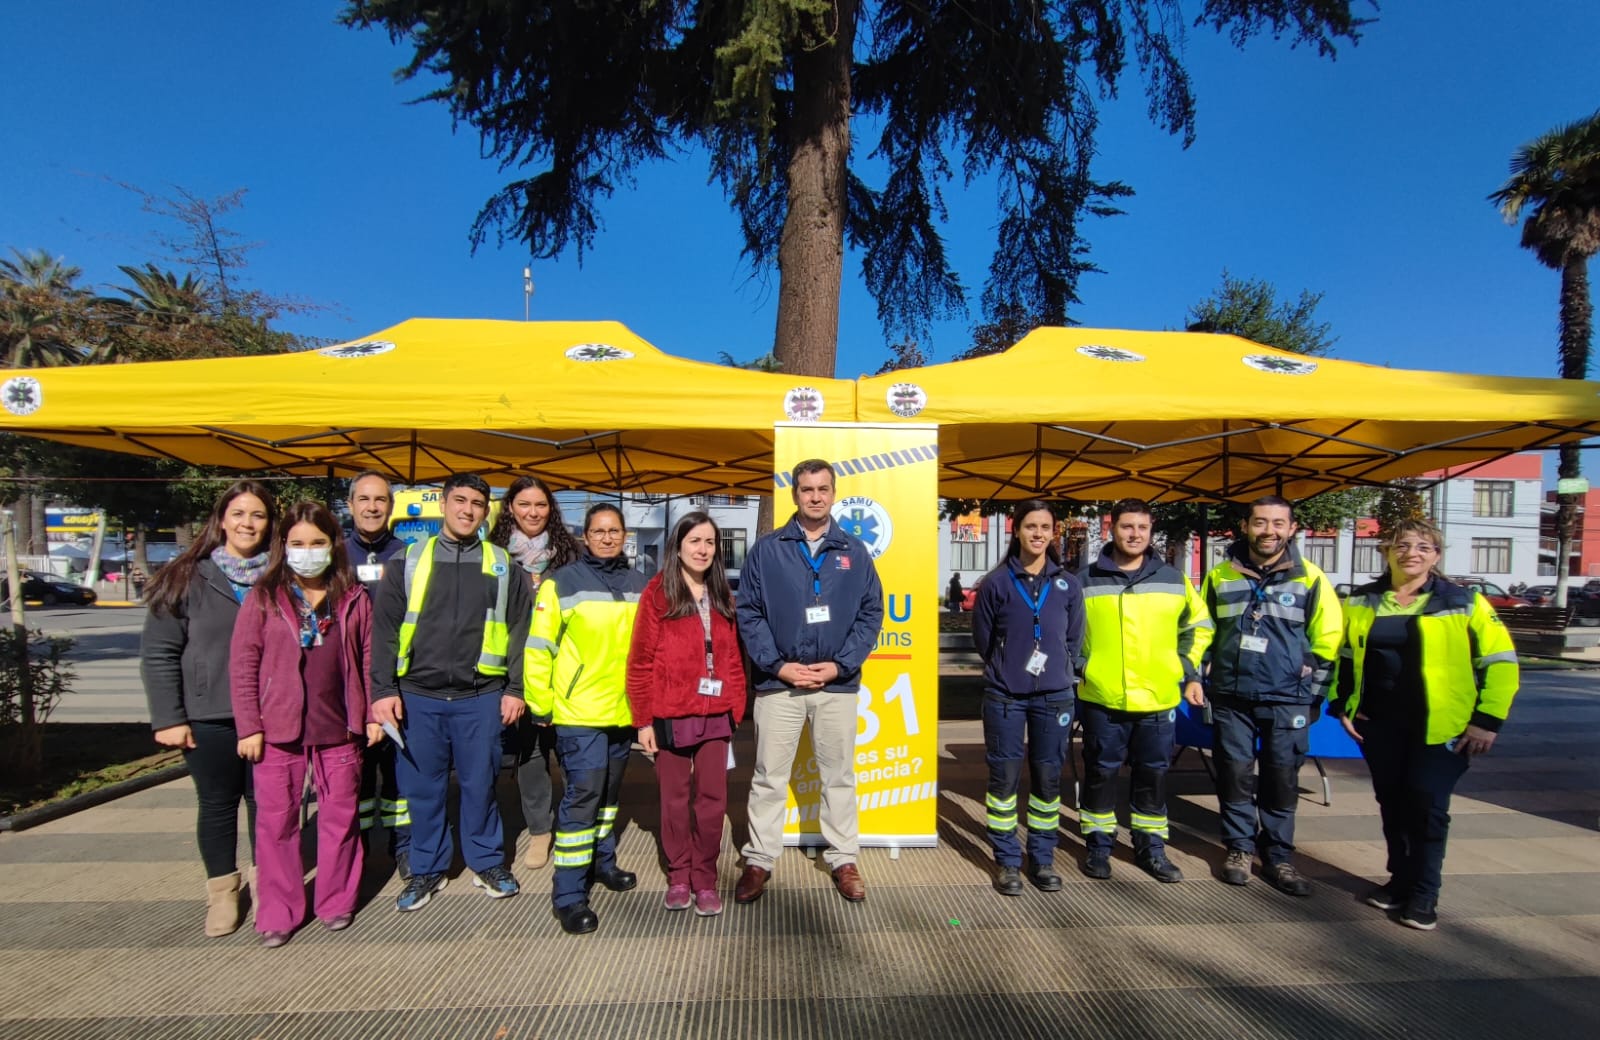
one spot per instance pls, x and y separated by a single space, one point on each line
1498 597
48 589
1545 595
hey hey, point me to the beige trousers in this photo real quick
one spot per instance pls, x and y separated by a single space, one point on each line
781 717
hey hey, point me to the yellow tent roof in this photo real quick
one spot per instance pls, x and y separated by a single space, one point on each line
1083 413
585 404
1101 413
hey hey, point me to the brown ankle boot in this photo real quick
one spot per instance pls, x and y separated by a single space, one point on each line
222 905
538 853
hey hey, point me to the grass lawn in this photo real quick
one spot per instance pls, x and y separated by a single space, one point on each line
82 756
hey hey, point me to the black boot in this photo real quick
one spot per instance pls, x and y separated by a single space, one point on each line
1008 882
576 919
616 879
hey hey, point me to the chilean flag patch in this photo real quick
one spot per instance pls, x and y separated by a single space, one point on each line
844 562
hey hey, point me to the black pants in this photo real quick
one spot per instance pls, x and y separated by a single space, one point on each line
533 748
1111 738
1258 816
221 779
1413 782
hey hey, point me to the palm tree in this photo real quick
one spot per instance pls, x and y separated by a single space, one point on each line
1556 177
41 311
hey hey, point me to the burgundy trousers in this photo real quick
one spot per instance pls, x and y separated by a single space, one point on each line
694 800
280 879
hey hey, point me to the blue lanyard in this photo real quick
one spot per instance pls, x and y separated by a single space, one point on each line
1035 605
815 563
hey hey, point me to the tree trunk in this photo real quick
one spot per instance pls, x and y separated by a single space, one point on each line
1577 324
22 521
811 252
39 540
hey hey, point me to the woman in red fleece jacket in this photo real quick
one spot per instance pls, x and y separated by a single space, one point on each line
686 687
301 698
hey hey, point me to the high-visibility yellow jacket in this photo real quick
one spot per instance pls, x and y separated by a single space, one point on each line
1469 664
1293 608
1146 632
575 667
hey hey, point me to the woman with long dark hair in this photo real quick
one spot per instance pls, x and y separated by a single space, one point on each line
531 529
686 686
183 659
1027 626
301 701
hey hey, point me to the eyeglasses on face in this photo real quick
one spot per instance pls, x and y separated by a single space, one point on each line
1425 548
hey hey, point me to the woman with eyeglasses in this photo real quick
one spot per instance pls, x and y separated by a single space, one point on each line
576 676
1426 679
531 529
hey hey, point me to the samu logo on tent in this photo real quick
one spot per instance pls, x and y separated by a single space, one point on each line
865 519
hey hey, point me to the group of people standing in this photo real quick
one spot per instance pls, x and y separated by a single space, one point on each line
1421 673
276 646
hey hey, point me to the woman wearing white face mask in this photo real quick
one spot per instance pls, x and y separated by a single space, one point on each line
301 700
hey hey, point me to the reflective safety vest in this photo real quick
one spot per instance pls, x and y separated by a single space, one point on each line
1469 664
496 633
1145 636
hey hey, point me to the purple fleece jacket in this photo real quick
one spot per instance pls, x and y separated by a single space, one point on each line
268 694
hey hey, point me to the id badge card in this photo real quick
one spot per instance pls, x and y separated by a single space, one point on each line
710 687
1035 664
369 572
817 615
1253 644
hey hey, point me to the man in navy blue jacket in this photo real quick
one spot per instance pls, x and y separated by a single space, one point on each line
370 546
810 608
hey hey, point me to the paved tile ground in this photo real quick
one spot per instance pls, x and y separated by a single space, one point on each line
100 933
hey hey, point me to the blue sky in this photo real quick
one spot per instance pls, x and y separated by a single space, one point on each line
1364 178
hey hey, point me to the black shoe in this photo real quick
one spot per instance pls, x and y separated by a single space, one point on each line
1421 914
1284 878
402 864
1008 882
576 919
1160 868
1097 864
617 879
1386 897
1044 877
1236 868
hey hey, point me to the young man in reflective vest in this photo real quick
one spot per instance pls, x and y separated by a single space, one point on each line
1147 630
447 640
1271 664
370 546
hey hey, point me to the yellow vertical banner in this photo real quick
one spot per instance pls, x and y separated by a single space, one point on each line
887 496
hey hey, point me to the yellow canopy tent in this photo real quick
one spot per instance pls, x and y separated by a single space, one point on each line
584 404
1098 413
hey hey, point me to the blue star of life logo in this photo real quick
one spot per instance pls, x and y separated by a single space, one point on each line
864 519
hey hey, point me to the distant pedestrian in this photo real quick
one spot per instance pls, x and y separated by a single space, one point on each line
686 685
1426 680
183 660
298 671
530 527
577 678
1028 627
954 594
370 548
